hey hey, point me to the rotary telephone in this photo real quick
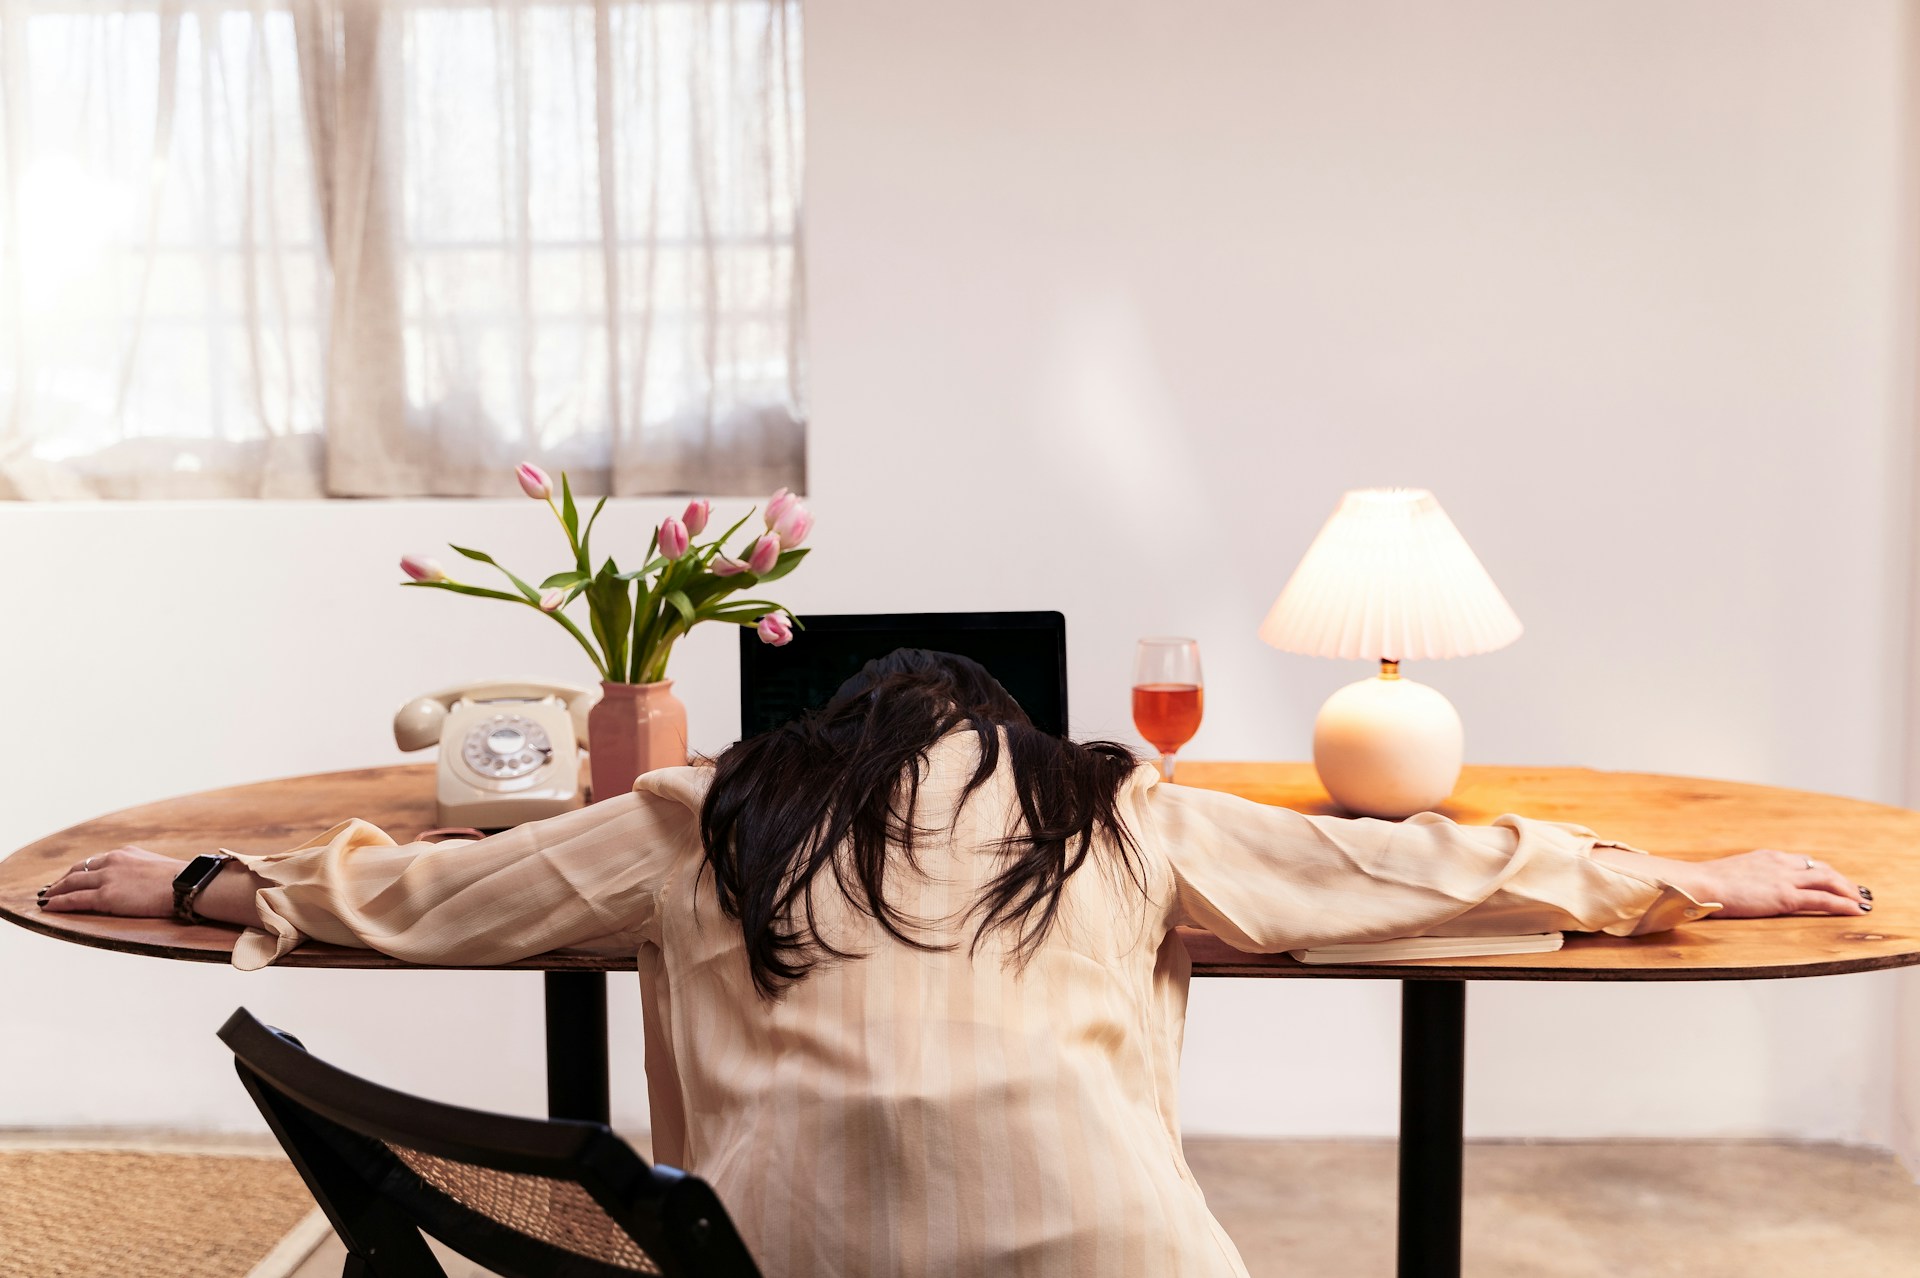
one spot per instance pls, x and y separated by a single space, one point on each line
509 752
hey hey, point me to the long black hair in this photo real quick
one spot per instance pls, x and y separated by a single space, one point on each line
836 790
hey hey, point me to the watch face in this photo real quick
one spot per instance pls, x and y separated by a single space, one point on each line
197 869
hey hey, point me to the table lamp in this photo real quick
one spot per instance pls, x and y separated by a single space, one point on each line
1391 579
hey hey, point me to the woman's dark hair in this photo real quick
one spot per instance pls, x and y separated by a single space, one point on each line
834 789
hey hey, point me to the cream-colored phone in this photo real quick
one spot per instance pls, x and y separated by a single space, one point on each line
509 752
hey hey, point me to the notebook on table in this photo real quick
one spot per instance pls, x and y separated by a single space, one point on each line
1431 947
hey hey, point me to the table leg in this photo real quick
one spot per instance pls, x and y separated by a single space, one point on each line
1433 1050
577 1046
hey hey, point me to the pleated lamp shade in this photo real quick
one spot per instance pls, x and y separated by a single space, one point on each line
1390 578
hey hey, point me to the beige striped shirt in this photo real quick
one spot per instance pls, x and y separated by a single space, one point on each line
926 1113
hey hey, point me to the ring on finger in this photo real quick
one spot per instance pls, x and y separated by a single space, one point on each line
1809 863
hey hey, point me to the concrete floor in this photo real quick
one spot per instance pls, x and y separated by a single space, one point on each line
1324 1209
1587 1210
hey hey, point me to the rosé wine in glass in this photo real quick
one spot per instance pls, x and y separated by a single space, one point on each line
1167 695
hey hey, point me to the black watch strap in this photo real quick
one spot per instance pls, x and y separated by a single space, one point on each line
192 881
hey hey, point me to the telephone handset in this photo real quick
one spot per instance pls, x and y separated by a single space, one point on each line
509 751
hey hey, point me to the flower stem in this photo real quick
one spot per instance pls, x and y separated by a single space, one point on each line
575 545
592 653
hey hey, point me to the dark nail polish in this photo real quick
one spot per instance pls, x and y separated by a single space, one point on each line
1866 907
1866 892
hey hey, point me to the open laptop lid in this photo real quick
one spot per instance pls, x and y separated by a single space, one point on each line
1025 651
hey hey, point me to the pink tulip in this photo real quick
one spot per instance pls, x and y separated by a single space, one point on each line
775 629
534 482
725 567
551 601
673 538
795 522
766 553
777 506
422 568
699 511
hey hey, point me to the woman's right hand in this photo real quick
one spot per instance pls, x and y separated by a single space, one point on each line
135 883
128 881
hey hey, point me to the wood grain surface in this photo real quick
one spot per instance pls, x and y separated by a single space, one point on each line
1673 816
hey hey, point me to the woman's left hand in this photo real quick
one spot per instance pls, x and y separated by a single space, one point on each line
1764 883
128 881
1767 882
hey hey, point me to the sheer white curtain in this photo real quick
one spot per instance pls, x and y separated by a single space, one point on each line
390 247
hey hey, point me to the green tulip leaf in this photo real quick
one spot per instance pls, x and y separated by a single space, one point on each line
564 579
529 592
727 536
590 521
570 519
707 587
612 611
682 605
481 592
742 616
748 608
462 588
656 562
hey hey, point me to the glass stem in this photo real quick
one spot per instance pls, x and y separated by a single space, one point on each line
1166 766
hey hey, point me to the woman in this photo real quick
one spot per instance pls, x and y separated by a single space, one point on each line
913 996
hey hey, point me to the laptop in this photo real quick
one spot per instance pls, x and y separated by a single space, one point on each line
1025 651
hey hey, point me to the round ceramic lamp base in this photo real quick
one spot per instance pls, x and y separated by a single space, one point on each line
1388 747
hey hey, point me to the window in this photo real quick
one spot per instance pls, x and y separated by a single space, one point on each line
387 247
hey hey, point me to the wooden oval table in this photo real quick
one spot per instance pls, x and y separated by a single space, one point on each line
1673 816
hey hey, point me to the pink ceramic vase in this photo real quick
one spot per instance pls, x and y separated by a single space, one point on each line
634 728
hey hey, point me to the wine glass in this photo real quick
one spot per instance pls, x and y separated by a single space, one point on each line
1166 695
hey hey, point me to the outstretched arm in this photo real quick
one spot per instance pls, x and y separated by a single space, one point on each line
587 875
1264 878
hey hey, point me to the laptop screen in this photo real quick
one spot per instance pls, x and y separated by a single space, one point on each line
1025 651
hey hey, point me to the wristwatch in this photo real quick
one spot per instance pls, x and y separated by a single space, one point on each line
192 881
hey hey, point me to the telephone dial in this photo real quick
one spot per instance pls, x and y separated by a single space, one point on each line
509 752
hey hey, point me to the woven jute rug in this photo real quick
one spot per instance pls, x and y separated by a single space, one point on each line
110 1213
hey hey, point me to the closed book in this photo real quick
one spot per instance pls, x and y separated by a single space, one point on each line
1431 947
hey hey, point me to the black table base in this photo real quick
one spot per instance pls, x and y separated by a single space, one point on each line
577 1085
1433 1065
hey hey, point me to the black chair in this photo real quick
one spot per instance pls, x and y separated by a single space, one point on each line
524 1197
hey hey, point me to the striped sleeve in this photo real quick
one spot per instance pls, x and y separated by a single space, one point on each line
1265 878
587 877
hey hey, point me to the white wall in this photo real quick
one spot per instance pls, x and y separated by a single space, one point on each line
1109 302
